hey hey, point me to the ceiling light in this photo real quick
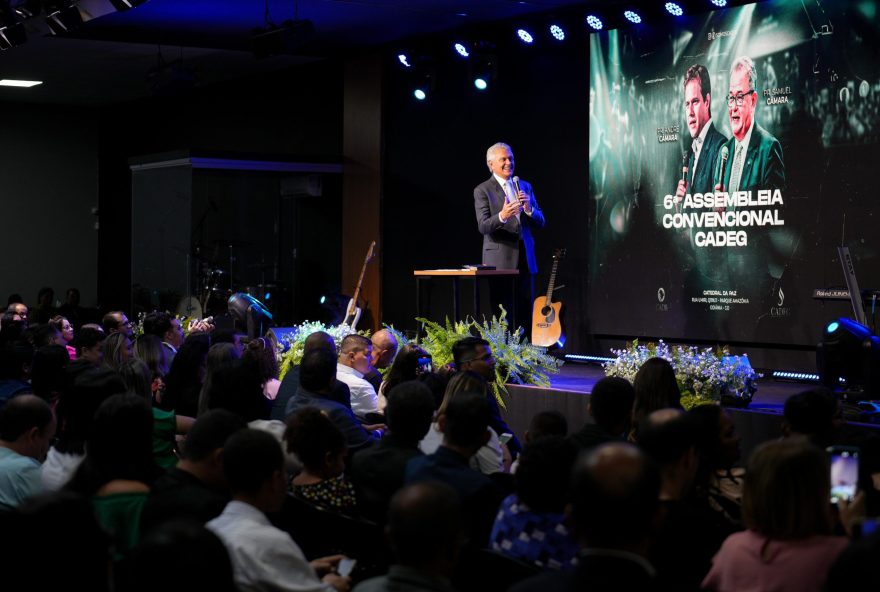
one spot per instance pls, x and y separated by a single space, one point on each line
557 32
461 50
674 9
420 94
594 22
404 60
525 36
20 83
719 3
632 16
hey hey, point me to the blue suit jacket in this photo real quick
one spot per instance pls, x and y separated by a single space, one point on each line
501 242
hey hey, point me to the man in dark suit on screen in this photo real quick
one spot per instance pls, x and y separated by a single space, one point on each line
706 140
507 217
755 155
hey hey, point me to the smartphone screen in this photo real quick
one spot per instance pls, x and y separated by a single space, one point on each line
346 565
844 473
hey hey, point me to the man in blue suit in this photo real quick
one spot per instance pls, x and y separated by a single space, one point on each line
507 218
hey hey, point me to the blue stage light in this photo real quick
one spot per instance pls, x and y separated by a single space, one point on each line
832 327
404 60
525 36
674 9
461 50
632 16
557 32
719 3
594 22
323 299
481 83
420 94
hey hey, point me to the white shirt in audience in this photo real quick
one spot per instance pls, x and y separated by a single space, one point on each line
363 396
58 468
264 558
488 459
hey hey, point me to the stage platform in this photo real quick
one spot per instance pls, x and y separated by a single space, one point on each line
569 394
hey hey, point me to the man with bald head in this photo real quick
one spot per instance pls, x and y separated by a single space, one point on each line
615 491
27 426
384 350
425 532
290 384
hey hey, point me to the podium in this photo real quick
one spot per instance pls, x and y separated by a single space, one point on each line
427 275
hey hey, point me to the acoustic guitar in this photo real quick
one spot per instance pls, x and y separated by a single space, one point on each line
353 311
546 320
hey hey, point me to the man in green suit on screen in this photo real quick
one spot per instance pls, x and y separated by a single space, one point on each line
755 155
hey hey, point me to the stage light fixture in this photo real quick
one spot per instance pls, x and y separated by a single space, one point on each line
674 9
483 70
849 353
404 60
461 50
249 313
420 94
557 32
13 36
632 16
594 22
481 83
525 36
720 3
121 5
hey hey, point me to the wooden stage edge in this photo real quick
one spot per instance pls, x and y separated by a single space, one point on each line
569 394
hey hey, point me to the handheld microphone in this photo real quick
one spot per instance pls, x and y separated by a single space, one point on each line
725 154
515 182
684 166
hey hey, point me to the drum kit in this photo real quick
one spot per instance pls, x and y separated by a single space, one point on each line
215 286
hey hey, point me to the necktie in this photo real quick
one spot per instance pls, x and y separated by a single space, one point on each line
736 171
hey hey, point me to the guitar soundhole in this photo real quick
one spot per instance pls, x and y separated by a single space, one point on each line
546 311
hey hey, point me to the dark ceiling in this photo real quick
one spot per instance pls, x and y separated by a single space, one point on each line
110 57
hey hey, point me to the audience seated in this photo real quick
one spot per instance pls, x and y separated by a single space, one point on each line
379 471
320 447
261 354
475 355
117 350
655 388
264 557
530 525
77 406
183 384
411 361
115 321
426 532
289 385
610 406
149 349
236 387
196 489
66 329
384 353
27 426
814 414
15 369
491 457
166 328
220 355
465 427
688 533
718 484
317 377
788 544
615 490
355 353
119 467
856 567
49 372
90 346
542 425
181 556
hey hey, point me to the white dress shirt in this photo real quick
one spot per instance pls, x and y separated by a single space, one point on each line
363 396
264 558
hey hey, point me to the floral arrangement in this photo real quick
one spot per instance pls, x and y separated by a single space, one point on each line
703 375
290 348
516 360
